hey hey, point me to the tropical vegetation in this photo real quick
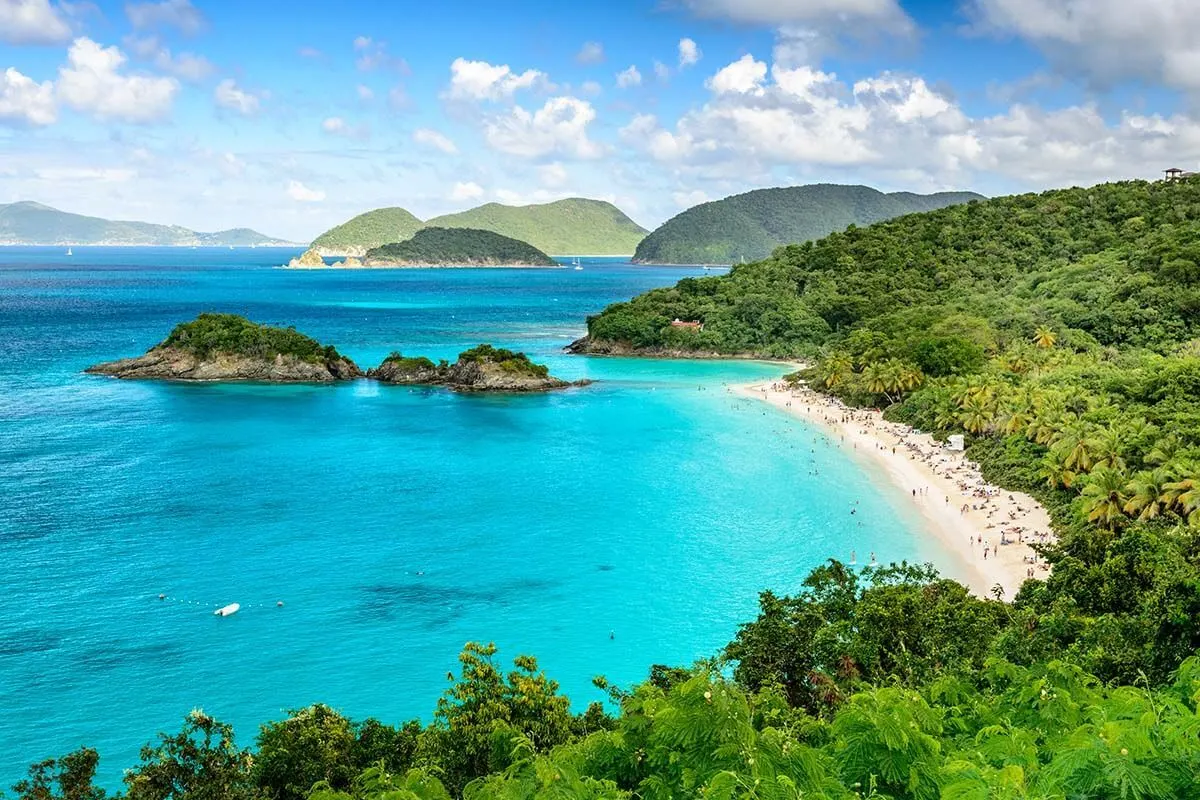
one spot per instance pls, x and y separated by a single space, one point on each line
747 227
574 226
459 246
208 334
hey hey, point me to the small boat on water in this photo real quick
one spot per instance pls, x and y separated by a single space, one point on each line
69 252
577 265
227 611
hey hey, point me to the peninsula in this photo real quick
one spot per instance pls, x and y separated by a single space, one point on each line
227 347
480 369
461 247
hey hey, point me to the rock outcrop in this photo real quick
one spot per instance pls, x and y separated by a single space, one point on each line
308 259
349 262
170 363
482 369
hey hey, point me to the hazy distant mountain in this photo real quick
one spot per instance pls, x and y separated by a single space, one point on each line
575 226
29 223
749 226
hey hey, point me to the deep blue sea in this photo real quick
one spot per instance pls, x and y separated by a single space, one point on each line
601 529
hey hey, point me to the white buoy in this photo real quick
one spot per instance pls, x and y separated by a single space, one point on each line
227 611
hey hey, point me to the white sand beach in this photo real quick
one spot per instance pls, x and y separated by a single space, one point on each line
986 529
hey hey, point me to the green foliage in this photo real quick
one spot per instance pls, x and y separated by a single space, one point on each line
410 363
229 333
372 229
201 762
459 246
72 775
573 226
747 227
507 360
1066 258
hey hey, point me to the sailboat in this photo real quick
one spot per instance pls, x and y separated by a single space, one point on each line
69 252
577 266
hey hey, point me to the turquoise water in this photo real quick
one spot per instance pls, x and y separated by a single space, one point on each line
396 524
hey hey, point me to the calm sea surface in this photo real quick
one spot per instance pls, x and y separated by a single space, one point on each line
395 524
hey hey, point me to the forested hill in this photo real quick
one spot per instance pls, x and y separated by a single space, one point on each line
27 223
574 226
453 247
747 227
1113 264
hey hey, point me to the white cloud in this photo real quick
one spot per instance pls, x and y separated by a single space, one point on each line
744 76
373 55
559 126
186 66
885 13
629 77
31 22
690 198
24 101
302 194
76 174
365 93
590 53
552 176
1105 41
479 80
179 14
661 71
230 96
466 191
689 53
92 82
398 99
334 125
438 141
590 88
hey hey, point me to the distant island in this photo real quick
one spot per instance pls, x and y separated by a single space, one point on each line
480 369
227 347
748 227
574 226
33 224
462 247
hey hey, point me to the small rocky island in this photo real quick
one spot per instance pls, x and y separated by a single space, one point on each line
457 247
480 369
227 347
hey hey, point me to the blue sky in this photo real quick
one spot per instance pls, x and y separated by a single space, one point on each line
292 116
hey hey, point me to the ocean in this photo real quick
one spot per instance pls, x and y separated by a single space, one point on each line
601 529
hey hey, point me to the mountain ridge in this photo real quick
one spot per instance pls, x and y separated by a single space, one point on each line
750 225
571 226
29 223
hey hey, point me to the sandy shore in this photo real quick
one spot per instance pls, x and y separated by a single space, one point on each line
986 529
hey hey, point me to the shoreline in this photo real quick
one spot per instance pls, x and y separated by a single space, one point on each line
964 513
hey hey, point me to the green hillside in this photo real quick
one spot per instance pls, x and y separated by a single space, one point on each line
458 247
372 229
27 223
747 227
575 226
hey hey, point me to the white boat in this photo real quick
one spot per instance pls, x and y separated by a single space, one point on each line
69 252
577 265
227 611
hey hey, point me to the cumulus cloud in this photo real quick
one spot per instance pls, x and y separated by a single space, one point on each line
336 126
302 194
373 55
428 137
758 119
24 101
629 77
1105 41
689 52
179 14
232 97
32 22
466 191
92 81
479 80
185 66
590 53
661 71
558 127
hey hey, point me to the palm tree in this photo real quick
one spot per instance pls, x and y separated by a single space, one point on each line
1044 338
1146 490
1183 494
1054 470
1075 442
976 416
835 369
1104 498
1164 450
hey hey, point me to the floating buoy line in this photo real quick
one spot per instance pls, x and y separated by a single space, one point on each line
218 609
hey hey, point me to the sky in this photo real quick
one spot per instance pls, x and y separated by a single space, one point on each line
290 116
